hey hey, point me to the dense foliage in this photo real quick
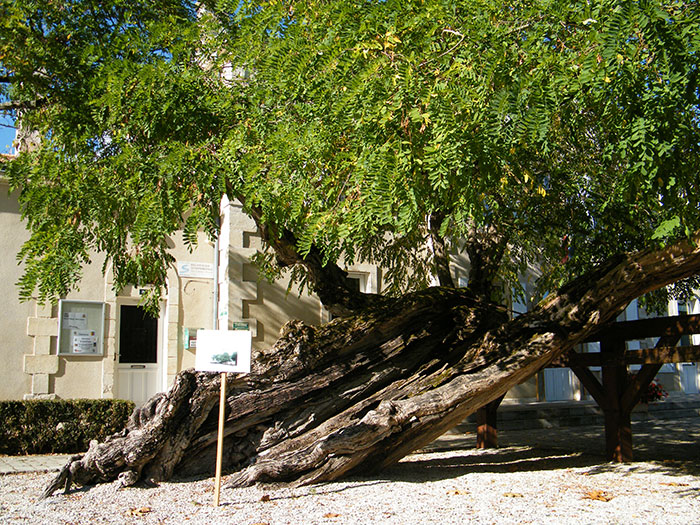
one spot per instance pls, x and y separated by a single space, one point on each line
543 132
59 426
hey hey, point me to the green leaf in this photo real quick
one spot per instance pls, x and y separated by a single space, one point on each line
667 228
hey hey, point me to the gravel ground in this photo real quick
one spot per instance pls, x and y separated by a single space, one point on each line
516 484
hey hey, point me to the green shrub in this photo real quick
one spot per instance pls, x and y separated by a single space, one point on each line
60 426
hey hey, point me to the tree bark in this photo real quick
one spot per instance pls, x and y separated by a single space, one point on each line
485 247
360 393
439 251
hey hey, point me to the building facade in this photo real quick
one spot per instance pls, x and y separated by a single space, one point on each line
96 343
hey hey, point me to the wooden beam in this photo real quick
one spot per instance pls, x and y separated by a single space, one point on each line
638 385
642 379
659 355
652 327
591 384
663 354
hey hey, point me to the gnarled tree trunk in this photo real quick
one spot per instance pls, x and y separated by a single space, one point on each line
362 392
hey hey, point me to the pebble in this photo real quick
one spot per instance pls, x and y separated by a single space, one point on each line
510 485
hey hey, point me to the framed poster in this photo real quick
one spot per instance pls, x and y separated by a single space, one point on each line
223 351
80 327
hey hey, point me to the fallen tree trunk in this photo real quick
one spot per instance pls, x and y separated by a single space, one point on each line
362 392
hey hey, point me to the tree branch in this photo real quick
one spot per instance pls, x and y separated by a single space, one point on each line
27 104
485 248
328 280
441 258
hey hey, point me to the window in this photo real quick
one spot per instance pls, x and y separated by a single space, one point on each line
354 283
359 281
683 310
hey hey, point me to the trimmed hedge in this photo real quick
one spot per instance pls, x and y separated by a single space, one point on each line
61 426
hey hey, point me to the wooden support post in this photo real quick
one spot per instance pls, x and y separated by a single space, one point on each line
487 424
618 427
618 436
619 393
220 439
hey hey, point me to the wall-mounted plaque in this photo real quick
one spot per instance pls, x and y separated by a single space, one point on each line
80 327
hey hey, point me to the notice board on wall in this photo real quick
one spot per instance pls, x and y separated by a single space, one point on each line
81 327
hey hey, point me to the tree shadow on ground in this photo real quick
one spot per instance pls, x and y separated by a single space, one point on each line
666 447
669 467
423 467
429 467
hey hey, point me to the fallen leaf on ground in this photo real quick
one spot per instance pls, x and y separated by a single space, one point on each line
140 511
265 497
331 515
513 495
674 484
598 495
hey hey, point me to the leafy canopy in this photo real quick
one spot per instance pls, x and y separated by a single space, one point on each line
566 130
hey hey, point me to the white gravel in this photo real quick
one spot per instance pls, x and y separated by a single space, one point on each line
509 485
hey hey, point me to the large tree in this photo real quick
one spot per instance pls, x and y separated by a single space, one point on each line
543 134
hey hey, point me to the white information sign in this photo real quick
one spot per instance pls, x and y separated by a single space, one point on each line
84 341
75 320
223 351
195 270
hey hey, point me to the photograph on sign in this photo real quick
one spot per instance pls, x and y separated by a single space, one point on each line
223 351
